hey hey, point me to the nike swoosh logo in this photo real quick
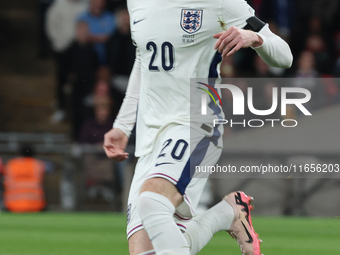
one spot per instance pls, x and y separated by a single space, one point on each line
238 201
248 234
165 163
137 21
153 238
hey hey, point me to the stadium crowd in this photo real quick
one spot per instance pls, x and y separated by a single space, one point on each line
94 54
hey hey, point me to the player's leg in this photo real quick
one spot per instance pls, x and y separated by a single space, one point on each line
176 153
159 197
201 228
164 188
156 206
138 239
140 244
232 214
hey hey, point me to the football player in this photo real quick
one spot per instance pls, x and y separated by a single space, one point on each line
177 41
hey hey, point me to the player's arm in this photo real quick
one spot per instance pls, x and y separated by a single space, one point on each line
116 139
245 30
274 50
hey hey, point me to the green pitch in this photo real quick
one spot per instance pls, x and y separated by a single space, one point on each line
104 234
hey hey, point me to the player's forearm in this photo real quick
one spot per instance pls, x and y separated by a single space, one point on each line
274 50
126 118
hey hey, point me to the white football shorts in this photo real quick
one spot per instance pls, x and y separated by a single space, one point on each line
177 150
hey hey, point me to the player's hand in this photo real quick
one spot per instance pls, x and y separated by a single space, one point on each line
230 41
115 142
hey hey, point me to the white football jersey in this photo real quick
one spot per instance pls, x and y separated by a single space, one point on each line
175 41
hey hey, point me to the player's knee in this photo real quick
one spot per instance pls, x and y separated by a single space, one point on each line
145 205
163 187
153 205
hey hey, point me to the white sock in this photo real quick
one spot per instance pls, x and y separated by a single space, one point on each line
151 252
202 227
156 212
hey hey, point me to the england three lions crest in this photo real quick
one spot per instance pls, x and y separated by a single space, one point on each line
191 20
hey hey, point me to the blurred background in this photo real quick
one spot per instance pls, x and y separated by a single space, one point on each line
64 67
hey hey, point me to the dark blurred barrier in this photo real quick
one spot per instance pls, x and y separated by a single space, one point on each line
101 184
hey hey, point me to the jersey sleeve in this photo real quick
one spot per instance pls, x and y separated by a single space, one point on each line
235 13
274 51
126 118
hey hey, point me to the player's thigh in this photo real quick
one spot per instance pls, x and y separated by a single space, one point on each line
178 150
134 222
198 180
163 187
156 168
139 242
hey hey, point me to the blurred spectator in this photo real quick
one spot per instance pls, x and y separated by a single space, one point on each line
319 43
325 9
93 131
84 65
282 12
307 75
83 58
101 26
262 70
306 66
117 88
332 89
121 51
61 29
112 5
121 56
43 7
101 88
24 177
94 128
103 73
86 105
